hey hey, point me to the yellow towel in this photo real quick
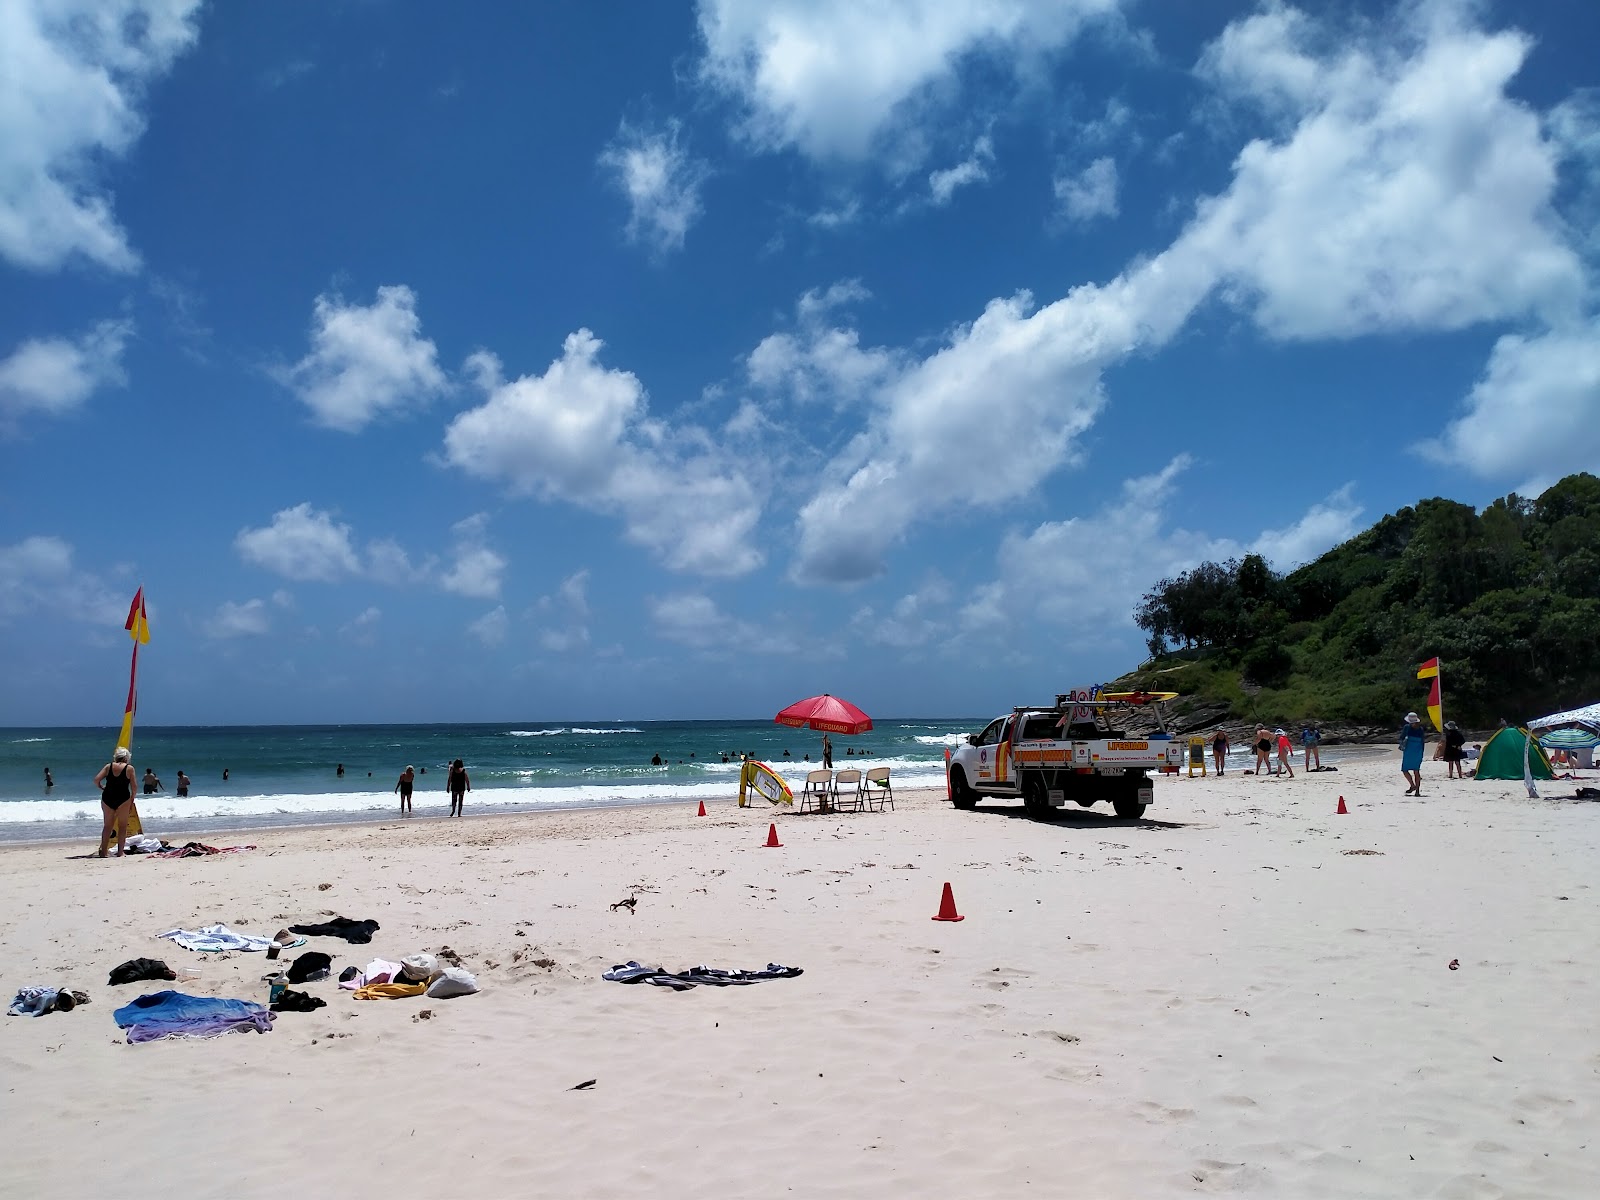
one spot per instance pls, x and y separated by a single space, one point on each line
391 991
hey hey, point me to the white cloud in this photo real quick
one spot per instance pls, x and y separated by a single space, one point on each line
302 543
918 618
661 181
492 627
1323 527
73 76
833 77
363 630
477 570
232 620
973 169
365 361
1535 413
581 433
388 562
821 361
693 619
1408 192
569 609
283 598
38 575
56 375
1091 193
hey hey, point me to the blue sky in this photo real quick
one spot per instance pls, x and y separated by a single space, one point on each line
522 362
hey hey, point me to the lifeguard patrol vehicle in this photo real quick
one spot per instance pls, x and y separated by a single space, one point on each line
1070 753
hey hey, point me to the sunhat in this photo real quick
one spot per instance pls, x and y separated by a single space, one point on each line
1412 718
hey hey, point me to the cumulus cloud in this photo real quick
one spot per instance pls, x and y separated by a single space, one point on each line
477 570
73 78
38 575
55 376
820 360
693 619
833 77
581 433
1406 191
1090 193
661 181
973 169
566 614
918 618
1323 526
492 627
1535 413
363 630
302 543
232 620
366 361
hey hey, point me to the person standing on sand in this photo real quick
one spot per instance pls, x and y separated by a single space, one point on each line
1311 739
1219 749
1263 745
827 752
1285 752
115 782
1413 740
1455 743
407 778
460 785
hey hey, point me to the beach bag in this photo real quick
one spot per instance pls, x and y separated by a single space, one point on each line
419 968
452 981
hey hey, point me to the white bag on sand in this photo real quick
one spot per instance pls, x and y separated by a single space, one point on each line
419 967
453 981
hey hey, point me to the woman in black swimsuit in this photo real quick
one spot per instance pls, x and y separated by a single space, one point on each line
115 782
1263 745
1219 750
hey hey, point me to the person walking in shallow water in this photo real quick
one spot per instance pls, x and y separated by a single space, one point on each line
115 782
1413 740
460 785
407 778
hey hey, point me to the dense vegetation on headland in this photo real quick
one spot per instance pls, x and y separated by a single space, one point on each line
1508 599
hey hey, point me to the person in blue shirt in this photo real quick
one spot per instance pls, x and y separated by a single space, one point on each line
1413 739
1311 740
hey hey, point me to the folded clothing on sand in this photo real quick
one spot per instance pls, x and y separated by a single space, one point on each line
138 969
311 964
379 970
176 1015
214 938
200 850
391 991
34 1002
679 981
354 932
293 1001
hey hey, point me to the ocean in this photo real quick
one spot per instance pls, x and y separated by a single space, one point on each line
287 774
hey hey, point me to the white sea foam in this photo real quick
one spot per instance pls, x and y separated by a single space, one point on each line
942 739
576 729
534 732
21 741
918 773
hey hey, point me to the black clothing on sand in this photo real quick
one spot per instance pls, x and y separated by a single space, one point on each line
307 965
356 932
138 969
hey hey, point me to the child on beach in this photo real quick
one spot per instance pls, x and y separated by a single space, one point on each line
459 785
407 778
1285 752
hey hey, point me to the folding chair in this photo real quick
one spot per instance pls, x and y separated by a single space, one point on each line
877 784
854 799
818 790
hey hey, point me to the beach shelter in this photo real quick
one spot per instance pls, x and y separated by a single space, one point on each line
1502 756
1587 717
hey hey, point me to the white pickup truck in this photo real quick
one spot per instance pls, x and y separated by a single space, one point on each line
1071 753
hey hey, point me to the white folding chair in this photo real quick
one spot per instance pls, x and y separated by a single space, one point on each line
877 786
818 791
853 799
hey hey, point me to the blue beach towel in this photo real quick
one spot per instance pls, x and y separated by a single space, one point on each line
176 1015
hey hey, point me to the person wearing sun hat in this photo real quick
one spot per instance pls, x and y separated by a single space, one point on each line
1413 740
1284 752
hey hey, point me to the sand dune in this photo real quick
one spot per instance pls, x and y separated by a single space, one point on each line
1226 998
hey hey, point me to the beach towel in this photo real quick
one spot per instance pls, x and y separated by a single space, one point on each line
354 932
215 938
136 970
379 970
390 991
682 981
33 1002
176 1015
199 850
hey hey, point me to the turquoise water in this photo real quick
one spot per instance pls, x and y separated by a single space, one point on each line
283 773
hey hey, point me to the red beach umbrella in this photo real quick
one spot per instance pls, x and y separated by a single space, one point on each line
825 714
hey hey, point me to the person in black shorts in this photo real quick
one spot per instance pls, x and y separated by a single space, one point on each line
460 785
183 784
407 778
115 782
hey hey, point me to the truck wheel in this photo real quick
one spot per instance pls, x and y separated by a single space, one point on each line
1129 809
1036 796
960 793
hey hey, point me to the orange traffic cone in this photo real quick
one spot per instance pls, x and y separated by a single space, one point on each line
947 907
1343 811
772 838
702 811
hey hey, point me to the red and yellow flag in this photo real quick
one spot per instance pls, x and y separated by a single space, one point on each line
138 627
1430 670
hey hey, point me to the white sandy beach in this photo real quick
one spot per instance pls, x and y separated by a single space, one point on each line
1225 998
